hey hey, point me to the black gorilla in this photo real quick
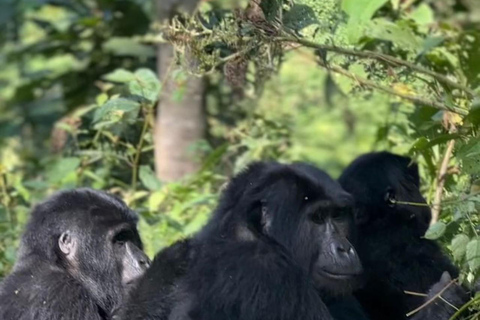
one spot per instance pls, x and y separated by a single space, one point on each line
154 294
78 255
278 235
390 244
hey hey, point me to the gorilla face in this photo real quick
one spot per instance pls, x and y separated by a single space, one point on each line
386 191
93 237
308 213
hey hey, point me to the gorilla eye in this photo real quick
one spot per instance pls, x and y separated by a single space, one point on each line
317 218
122 237
390 198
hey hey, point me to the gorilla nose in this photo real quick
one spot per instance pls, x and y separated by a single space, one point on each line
144 262
347 257
342 248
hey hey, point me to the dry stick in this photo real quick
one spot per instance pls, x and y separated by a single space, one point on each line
413 293
442 173
412 98
365 54
431 299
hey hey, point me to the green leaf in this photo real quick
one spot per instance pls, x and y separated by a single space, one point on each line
459 246
436 231
149 179
270 8
128 47
119 75
114 110
145 84
422 15
397 33
469 155
473 254
117 115
62 169
361 10
431 42
299 17
468 55
101 99
360 13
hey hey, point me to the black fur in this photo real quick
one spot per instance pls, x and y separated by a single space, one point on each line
452 294
390 244
154 296
45 285
259 256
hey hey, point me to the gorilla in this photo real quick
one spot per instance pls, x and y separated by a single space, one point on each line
390 243
78 256
277 241
153 296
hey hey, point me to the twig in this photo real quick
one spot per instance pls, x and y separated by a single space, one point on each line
138 151
393 61
426 303
408 203
442 173
417 294
412 98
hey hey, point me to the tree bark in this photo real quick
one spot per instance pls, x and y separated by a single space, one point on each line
179 123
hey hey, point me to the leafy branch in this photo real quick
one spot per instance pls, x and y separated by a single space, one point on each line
374 85
393 61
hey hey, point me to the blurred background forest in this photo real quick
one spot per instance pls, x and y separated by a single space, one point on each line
161 101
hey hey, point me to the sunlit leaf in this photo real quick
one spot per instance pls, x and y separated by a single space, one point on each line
361 10
436 231
473 254
399 35
459 246
149 179
119 75
422 15
145 84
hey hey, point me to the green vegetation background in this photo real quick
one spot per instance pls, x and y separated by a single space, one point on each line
69 70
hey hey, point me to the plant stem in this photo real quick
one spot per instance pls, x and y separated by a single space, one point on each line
138 151
437 200
6 198
465 307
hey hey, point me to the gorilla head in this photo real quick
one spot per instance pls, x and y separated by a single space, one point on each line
301 208
382 183
84 235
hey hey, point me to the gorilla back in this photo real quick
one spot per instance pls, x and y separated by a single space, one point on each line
275 237
79 253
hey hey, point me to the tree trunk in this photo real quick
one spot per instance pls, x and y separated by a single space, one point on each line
179 123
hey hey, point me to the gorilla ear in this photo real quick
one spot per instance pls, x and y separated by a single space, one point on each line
446 278
68 244
266 219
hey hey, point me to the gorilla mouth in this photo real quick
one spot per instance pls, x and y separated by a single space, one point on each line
337 275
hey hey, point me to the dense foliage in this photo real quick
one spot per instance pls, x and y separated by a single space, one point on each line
321 81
